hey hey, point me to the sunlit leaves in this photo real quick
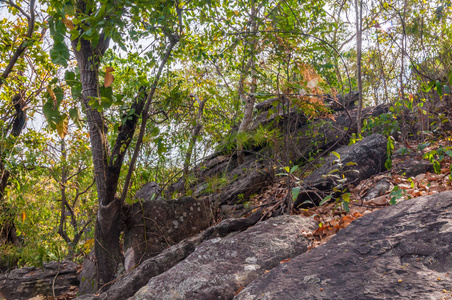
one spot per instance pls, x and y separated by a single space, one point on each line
60 52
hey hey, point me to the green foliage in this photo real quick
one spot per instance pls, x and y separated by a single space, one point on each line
396 194
436 156
262 136
389 152
215 183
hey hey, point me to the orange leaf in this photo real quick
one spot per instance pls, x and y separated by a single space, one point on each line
284 261
239 290
347 219
108 80
68 23
23 216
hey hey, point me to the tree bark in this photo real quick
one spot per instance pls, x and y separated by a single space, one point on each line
250 99
359 23
195 134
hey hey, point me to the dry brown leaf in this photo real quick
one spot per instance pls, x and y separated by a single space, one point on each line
68 23
285 260
109 78
239 290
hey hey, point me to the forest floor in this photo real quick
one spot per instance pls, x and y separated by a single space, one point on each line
332 218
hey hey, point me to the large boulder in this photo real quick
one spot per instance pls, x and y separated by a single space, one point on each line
400 252
220 267
54 278
350 164
128 284
154 225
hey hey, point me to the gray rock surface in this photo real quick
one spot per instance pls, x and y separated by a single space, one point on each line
366 158
379 189
413 167
153 226
127 285
88 275
218 268
399 252
29 282
148 192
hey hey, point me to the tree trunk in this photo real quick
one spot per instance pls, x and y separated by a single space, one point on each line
195 134
107 249
359 22
250 99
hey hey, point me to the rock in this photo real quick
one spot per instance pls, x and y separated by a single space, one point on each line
167 223
342 102
413 167
243 182
400 252
29 282
127 285
218 268
365 158
379 189
327 133
88 275
150 191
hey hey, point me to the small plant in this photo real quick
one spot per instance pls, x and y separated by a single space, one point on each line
216 183
339 179
396 194
436 156
389 151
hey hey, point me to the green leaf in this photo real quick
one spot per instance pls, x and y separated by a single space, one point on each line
388 164
295 193
437 167
439 88
325 200
75 117
351 163
345 206
60 54
430 86
52 115
294 168
336 154
446 90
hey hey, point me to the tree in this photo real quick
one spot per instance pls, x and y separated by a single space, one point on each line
92 26
11 130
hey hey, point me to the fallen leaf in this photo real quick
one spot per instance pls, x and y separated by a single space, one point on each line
239 290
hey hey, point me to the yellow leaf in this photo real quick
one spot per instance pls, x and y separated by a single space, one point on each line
236 12
62 127
52 94
108 80
68 23
23 216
